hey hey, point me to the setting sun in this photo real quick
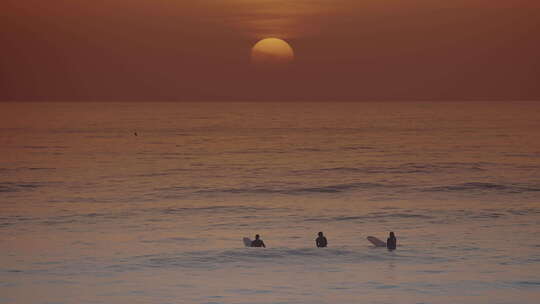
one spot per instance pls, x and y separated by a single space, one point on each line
272 51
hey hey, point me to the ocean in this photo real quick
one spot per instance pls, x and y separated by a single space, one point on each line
149 202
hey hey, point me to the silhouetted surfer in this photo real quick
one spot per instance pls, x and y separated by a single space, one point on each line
321 240
258 242
391 242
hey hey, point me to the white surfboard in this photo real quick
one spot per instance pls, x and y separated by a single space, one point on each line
375 241
247 242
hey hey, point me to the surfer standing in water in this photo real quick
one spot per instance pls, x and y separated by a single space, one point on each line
391 242
321 240
258 242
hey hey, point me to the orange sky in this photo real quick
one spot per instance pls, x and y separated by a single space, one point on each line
199 50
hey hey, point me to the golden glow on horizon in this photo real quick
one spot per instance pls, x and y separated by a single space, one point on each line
272 52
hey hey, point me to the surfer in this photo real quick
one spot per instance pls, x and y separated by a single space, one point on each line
321 240
391 242
258 242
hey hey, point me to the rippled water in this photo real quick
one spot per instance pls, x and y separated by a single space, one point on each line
91 212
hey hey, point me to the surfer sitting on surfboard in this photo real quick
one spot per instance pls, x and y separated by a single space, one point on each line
258 242
321 240
391 242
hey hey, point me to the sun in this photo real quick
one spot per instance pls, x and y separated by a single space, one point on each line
272 52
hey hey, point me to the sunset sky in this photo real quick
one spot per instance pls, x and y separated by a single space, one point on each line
146 50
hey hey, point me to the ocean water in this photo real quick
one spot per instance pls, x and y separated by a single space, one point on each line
91 212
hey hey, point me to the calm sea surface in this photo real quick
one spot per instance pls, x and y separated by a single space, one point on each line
148 202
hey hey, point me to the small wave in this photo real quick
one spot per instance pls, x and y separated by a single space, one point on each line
470 186
524 155
252 256
369 216
220 209
35 147
356 148
479 186
258 151
172 240
86 218
175 188
152 174
25 168
337 188
16 187
309 150
180 170
407 168
525 211
526 284
489 215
